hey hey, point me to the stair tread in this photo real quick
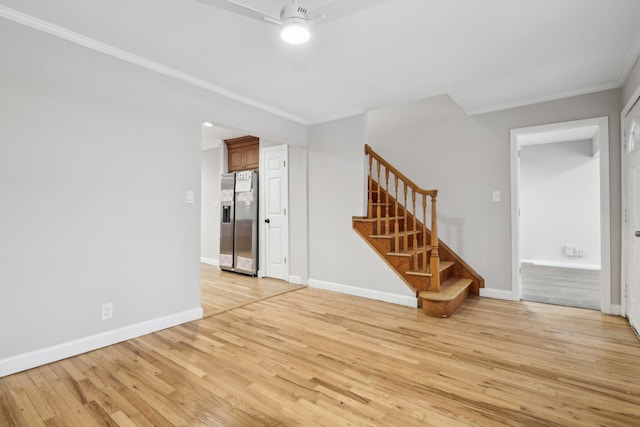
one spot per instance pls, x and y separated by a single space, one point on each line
392 235
443 266
449 290
408 252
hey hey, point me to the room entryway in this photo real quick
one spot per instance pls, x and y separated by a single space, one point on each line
560 214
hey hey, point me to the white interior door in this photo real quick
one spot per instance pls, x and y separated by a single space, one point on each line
632 226
276 212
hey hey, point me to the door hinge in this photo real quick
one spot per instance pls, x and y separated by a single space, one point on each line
284 163
285 211
285 260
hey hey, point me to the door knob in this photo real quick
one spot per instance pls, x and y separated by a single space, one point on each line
267 220
637 233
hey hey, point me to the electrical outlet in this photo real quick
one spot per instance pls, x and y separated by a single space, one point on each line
107 311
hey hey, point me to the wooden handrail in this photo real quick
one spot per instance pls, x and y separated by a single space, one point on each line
369 151
428 256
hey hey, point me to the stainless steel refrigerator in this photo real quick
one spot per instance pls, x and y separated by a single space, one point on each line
239 222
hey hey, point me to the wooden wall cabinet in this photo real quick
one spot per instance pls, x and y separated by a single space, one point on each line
243 153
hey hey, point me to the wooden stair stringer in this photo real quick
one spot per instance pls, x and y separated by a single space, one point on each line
395 266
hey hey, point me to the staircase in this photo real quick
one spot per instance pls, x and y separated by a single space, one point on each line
395 227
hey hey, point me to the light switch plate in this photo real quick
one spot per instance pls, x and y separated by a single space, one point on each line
497 196
190 197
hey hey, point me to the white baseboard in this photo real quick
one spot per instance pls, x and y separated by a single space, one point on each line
209 261
21 362
297 280
615 309
497 294
409 301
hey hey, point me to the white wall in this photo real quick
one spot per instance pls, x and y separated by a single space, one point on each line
96 155
560 202
337 255
468 157
210 206
631 84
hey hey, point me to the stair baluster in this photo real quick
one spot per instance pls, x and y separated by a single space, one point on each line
435 255
406 223
415 230
370 192
396 237
386 200
424 233
378 199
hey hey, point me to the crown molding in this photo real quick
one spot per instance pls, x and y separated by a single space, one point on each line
632 57
533 101
63 33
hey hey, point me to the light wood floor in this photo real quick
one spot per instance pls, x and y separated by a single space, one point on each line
221 290
313 357
572 287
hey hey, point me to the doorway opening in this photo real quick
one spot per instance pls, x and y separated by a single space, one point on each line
560 214
221 290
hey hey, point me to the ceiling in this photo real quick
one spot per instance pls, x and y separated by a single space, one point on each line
486 54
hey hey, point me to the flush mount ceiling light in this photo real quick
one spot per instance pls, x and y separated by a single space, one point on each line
294 18
295 31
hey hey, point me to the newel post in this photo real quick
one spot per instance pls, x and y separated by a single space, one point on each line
370 187
435 255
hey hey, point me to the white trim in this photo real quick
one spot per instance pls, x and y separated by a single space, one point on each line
515 217
632 101
11 365
211 147
616 310
336 116
560 264
605 209
297 280
632 57
602 135
623 205
209 261
63 33
409 301
538 100
498 294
